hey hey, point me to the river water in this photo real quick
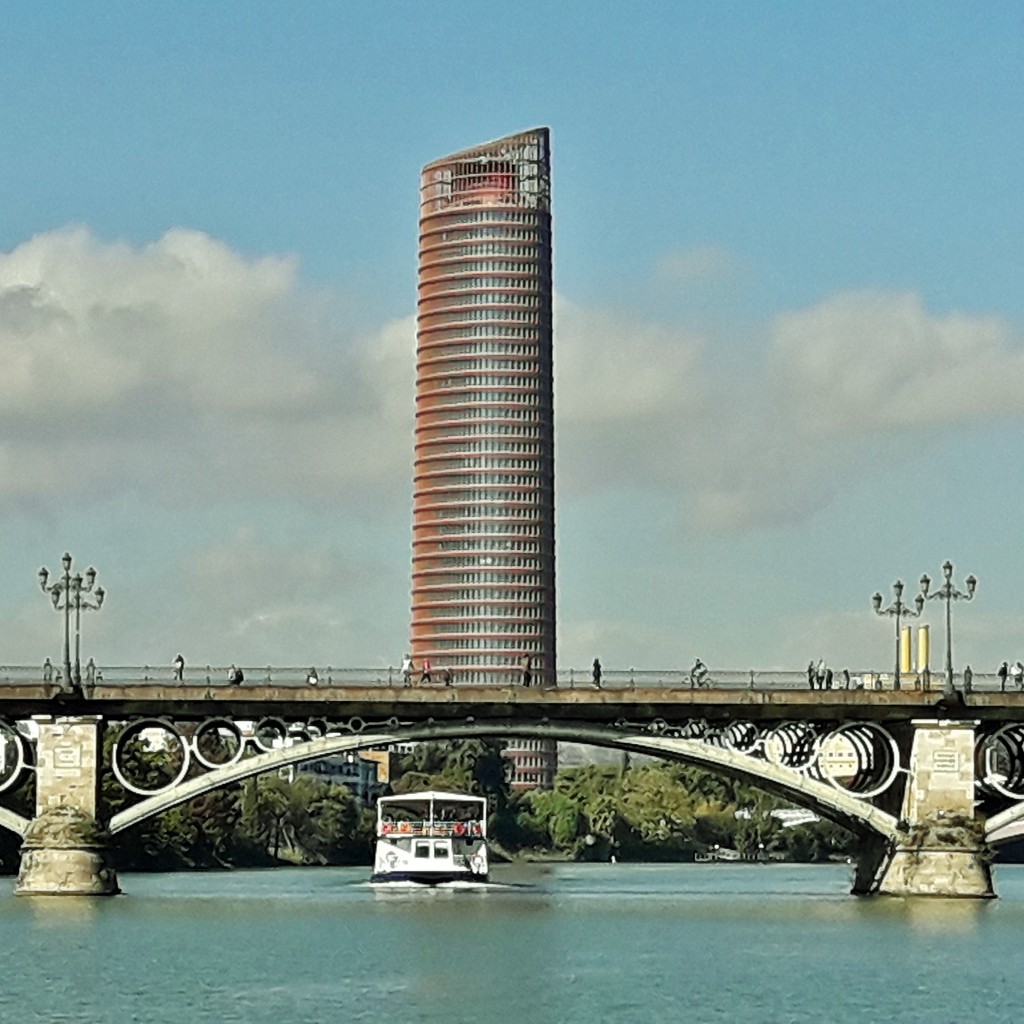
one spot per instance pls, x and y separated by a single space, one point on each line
557 945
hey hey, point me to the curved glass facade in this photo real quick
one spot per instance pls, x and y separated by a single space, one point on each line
483 579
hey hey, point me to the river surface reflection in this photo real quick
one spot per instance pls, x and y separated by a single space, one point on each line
555 945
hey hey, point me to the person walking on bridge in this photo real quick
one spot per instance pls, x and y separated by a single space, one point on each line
698 674
526 667
179 668
1004 671
595 674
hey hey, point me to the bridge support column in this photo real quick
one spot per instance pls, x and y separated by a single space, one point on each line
65 851
941 851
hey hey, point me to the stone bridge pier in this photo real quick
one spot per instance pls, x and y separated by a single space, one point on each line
939 847
65 848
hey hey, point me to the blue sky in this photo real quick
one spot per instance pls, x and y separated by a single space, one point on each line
789 361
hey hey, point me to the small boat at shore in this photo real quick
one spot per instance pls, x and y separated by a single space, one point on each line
431 838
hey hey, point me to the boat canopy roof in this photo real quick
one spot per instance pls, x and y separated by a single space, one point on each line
436 796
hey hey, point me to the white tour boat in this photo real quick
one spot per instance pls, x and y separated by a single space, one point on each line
431 838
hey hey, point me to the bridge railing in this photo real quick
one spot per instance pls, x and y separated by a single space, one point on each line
568 678
256 675
734 679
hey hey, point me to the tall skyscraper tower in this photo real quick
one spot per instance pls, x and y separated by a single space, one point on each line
483 576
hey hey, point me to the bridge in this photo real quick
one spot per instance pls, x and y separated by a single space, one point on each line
929 782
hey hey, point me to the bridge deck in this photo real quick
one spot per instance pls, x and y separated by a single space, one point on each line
376 703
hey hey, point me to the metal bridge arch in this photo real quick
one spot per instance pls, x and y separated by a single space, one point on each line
13 821
1005 826
828 801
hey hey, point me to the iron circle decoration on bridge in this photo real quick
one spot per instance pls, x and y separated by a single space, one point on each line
270 734
12 756
743 737
298 733
218 743
695 729
791 745
859 758
161 744
1000 761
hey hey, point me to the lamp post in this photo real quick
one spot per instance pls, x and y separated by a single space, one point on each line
898 609
948 593
67 593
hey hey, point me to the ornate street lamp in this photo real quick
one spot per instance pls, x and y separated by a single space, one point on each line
898 609
72 593
948 593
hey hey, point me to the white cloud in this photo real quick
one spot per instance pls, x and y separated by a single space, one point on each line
611 368
255 595
872 361
301 596
625 391
182 367
841 379
814 412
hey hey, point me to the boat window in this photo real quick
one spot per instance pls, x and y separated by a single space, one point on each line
440 849
422 850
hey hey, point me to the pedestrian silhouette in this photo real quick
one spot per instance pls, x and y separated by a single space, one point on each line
698 674
525 665
595 674
179 667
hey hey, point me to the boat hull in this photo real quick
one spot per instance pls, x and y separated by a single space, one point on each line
426 878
